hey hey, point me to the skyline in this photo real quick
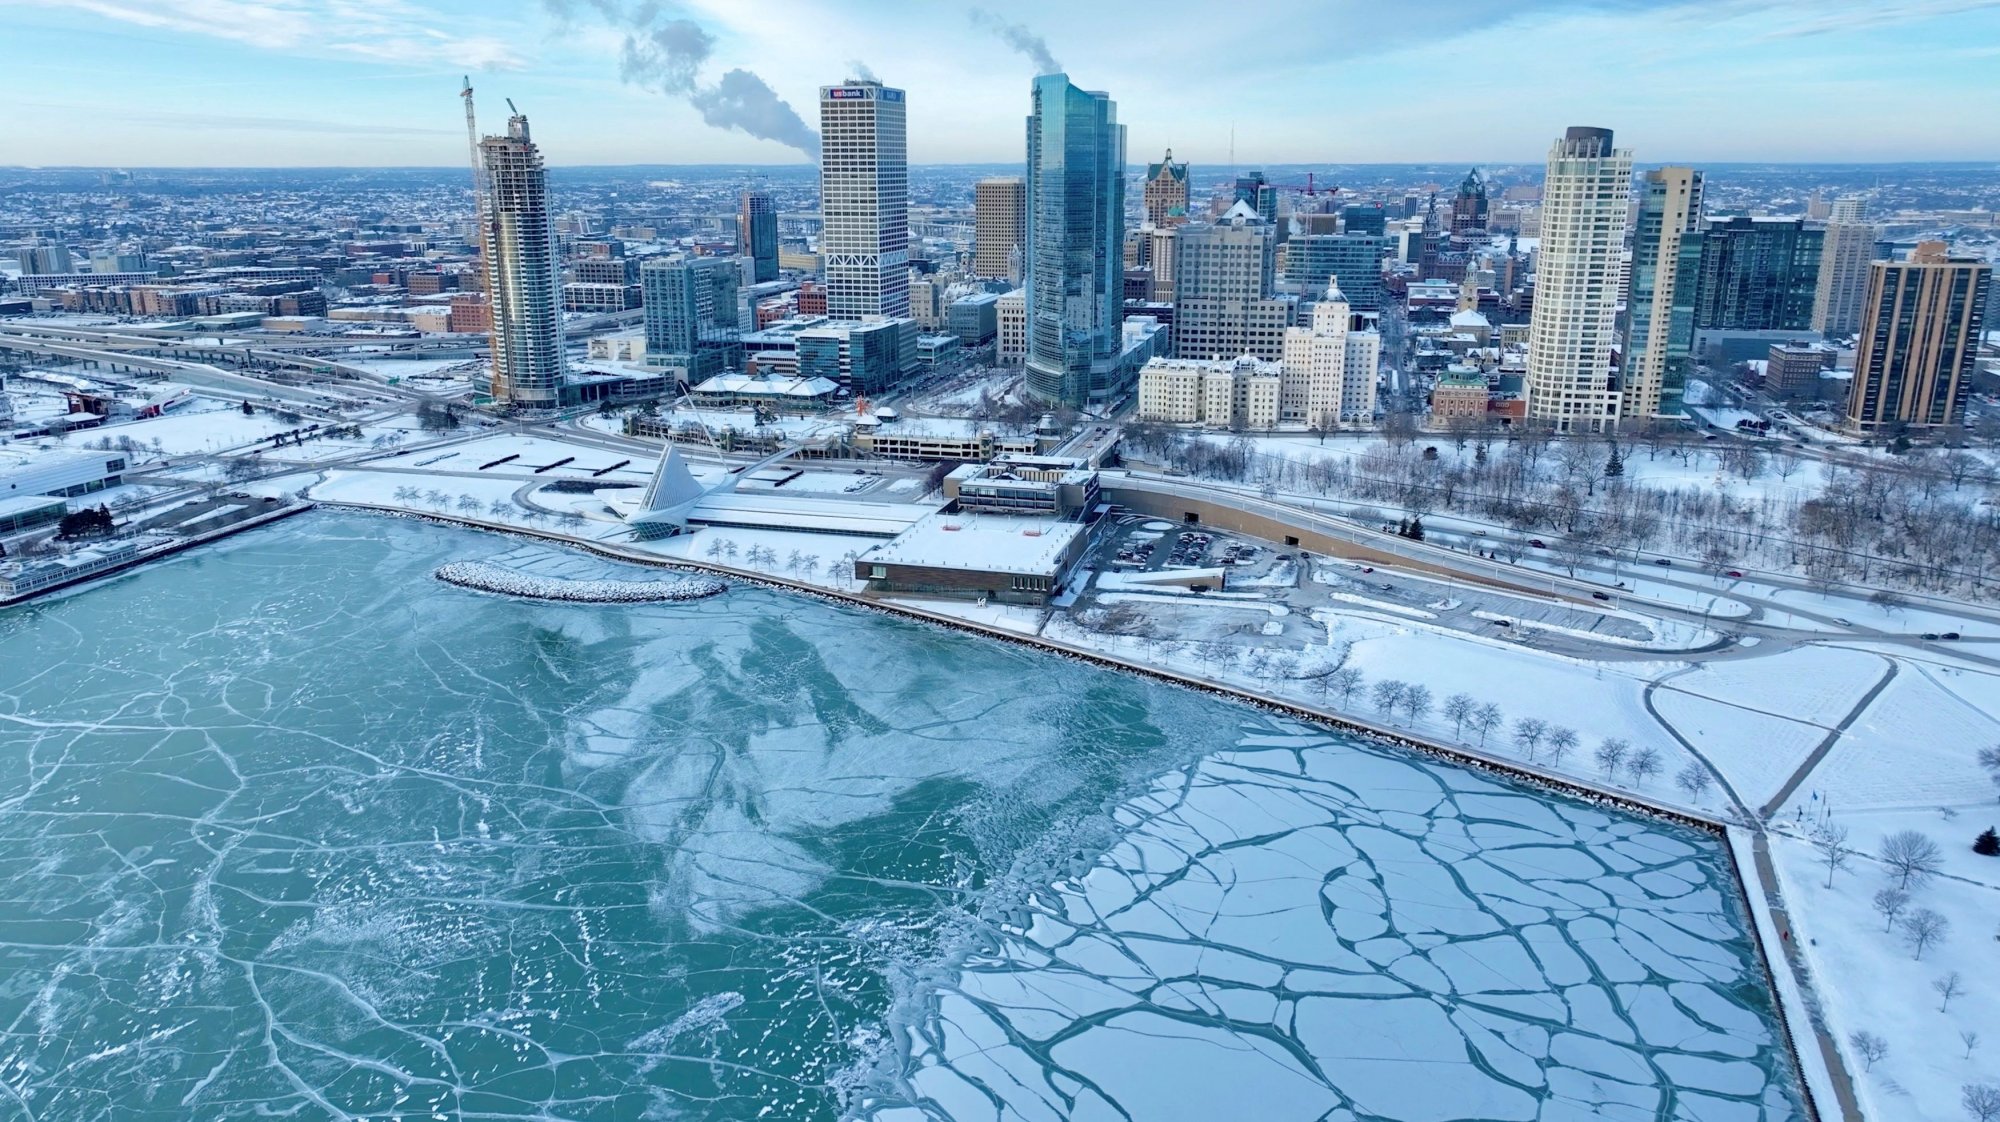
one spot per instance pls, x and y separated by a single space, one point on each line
332 83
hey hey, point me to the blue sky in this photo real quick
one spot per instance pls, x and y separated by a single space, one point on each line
374 82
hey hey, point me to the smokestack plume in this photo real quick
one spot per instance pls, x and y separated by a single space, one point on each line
667 54
1020 38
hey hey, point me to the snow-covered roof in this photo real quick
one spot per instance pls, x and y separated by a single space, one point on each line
988 543
811 513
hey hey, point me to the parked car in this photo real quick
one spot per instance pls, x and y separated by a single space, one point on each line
1661 561
1951 635
1931 635
1736 574
1537 543
1600 596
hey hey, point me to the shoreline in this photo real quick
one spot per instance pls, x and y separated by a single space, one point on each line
1720 829
285 511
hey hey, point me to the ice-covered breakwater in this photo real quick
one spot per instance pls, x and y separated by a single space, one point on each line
483 576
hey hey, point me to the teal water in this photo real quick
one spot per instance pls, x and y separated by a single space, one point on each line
289 828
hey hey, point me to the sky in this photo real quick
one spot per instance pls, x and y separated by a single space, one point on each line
365 83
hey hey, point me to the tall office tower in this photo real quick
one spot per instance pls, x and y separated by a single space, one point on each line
1468 207
1352 261
519 247
42 256
1570 382
1166 194
1076 233
1255 190
1920 337
1659 324
1365 219
757 235
864 199
1223 301
1163 254
1842 288
1758 275
1000 224
691 320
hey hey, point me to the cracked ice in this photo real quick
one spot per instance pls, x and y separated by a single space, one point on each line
288 828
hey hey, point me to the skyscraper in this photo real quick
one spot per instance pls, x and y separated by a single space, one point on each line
1757 275
1920 338
1570 383
1842 287
757 235
1254 189
44 256
520 260
1223 302
864 192
1000 224
1468 207
1353 260
691 315
1659 328
1076 237
1166 193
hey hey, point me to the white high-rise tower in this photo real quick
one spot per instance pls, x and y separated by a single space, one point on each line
864 199
1585 197
519 247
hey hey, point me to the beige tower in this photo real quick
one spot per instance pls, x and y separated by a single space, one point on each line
1843 270
1570 382
1920 335
1000 225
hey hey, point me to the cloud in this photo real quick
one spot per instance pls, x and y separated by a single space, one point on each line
1020 38
376 30
860 70
667 52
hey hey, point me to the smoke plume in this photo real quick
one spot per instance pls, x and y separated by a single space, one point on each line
1020 38
860 70
667 53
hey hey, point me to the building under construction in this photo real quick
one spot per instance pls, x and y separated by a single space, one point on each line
518 246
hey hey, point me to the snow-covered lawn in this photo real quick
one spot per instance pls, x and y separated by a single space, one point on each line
1869 980
1914 747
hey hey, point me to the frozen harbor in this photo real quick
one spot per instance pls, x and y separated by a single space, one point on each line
288 827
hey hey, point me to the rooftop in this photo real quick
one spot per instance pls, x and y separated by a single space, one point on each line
995 543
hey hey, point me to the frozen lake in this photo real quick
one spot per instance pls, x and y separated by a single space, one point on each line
288 827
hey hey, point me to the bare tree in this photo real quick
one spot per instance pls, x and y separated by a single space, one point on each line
1389 694
1484 720
1981 1100
1693 780
469 505
1890 902
1529 733
1417 702
1344 682
1833 849
1561 741
1644 765
1989 758
1458 708
1970 1039
1922 929
499 508
1910 856
1948 987
1868 1046
1610 755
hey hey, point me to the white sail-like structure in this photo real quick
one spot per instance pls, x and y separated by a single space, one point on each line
669 499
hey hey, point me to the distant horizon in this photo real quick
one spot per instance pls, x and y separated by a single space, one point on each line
804 165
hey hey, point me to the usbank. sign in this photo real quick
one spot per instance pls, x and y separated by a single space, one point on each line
862 93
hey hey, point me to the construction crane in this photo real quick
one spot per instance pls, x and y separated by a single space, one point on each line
472 148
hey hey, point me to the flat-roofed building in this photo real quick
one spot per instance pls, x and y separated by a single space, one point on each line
969 555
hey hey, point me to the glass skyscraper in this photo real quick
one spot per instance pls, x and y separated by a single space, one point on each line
1666 260
1076 236
691 315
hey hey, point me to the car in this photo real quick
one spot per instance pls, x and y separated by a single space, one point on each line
1367 568
1388 587
1932 636
1503 623
1537 543
1736 574
1600 596
1661 561
1951 635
